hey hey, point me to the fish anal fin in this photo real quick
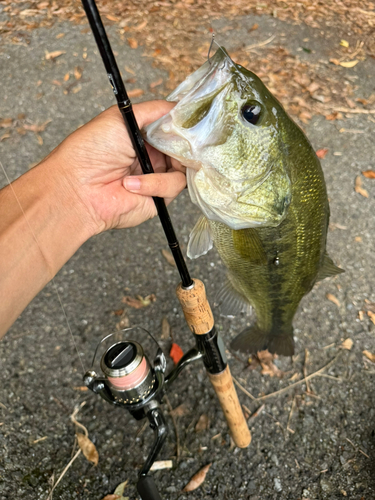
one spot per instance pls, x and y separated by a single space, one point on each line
231 301
253 340
200 239
328 268
249 245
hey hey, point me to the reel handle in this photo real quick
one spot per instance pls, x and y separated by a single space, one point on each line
199 317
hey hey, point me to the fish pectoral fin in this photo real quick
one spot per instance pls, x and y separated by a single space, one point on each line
249 245
200 239
328 268
231 301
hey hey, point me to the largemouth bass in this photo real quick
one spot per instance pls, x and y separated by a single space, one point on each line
261 189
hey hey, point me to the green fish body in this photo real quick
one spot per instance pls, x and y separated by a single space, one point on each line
261 189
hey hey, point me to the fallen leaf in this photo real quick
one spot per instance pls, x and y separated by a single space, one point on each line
5 136
124 321
129 70
162 464
347 344
112 18
334 61
39 138
138 302
360 315
132 43
369 174
56 82
369 355
112 496
358 187
176 353
156 83
321 153
349 64
78 72
333 299
60 35
135 93
141 26
371 315
254 27
53 55
168 257
6 122
197 479
268 367
88 448
180 410
165 329
37 128
203 423
120 489
118 312
344 43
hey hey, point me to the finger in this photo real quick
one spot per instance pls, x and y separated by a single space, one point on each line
149 111
166 185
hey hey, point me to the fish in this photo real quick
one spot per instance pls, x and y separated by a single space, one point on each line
260 186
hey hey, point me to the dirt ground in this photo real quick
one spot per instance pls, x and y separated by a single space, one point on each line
312 441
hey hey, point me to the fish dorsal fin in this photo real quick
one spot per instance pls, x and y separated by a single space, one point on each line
231 301
200 239
328 268
249 245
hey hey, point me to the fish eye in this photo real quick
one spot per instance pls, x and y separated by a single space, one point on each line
251 113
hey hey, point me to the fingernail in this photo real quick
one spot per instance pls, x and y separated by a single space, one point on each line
132 183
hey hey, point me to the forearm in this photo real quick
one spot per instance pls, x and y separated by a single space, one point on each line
41 227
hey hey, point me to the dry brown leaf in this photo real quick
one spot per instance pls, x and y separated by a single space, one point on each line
347 344
6 122
321 153
113 18
132 43
369 355
135 93
53 55
370 174
141 26
60 35
78 72
165 329
156 83
268 367
371 315
348 64
37 128
358 187
333 299
197 479
139 301
180 410
5 136
203 423
112 496
168 257
162 464
88 448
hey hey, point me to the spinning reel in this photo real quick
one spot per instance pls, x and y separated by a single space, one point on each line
137 383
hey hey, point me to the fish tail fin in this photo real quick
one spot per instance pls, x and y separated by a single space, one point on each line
253 340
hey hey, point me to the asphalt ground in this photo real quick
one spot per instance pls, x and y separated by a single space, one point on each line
318 446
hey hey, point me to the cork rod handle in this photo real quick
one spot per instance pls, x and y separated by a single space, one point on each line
199 317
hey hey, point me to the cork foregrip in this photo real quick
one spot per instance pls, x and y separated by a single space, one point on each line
225 391
196 308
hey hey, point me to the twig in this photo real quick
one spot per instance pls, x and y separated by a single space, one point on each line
295 384
290 416
356 448
243 389
261 44
170 409
305 371
258 412
63 474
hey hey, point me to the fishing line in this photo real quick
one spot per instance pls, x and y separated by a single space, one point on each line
41 251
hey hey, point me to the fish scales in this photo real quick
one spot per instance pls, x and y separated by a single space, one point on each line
261 189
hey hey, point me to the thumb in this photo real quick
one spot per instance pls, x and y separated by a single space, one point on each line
165 185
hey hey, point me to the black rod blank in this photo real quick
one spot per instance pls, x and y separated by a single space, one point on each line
135 135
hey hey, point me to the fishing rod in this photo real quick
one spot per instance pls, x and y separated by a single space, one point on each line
130 379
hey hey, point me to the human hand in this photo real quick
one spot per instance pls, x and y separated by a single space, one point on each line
100 165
